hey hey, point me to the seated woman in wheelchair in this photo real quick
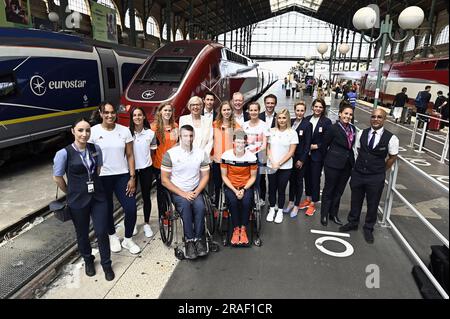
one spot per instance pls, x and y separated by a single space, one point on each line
239 169
185 173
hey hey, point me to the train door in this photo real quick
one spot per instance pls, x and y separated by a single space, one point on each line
110 75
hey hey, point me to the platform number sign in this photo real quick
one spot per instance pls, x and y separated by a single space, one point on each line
333 236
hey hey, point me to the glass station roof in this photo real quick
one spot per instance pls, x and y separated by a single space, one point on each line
312 5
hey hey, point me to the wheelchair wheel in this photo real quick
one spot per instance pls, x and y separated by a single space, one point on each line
166 220
257 211
210 223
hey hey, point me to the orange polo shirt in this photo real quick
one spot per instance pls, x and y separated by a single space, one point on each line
171 138
223 140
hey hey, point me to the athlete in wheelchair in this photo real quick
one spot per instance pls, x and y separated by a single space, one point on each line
184 174
239 197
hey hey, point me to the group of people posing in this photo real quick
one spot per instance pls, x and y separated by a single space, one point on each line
242 151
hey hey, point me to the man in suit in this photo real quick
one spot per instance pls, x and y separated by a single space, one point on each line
238 108
268 116
208 111
421 102
373 144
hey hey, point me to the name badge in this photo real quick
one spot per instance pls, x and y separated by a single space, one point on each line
90 187
300 132
320 129
382 148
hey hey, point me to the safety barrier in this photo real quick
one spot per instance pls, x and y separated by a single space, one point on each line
420 118
387 222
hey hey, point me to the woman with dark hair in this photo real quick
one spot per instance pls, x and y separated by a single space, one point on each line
81 163
144 142
223 128
339 160
314 163
117 173
166 132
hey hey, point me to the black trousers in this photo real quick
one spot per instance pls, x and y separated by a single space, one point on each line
371 188
296 184
217 181
98 211
277 185
312 179
145 177
335 182
159 191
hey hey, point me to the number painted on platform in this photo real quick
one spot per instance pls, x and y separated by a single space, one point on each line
418 161
441 178
332 237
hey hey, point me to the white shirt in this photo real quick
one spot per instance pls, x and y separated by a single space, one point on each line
112 143
392 146
142 144
255 135
203 138
239 118
280 142
269 120
209 115
185 166
314 120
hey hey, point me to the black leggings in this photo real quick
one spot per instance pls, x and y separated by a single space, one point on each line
277 184
145 177
159 191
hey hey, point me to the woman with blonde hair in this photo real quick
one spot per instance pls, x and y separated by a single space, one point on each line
203 132
281 146
223 128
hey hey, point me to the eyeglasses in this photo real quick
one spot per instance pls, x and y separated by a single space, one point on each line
376 117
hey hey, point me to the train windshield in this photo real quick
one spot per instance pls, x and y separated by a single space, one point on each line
166 70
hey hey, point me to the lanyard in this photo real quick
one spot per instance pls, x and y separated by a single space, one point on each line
89 168
349 136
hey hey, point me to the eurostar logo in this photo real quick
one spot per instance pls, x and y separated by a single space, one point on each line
37 85
147 95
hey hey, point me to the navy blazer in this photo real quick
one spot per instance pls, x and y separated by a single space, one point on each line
304 133
262 116
336 148
317 137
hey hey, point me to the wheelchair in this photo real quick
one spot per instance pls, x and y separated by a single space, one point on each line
170 221
224 226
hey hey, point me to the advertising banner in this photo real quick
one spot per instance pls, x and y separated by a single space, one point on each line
104 26
15 13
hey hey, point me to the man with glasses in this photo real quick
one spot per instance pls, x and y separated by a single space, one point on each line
373 145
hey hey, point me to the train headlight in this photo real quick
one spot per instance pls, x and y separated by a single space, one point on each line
123 108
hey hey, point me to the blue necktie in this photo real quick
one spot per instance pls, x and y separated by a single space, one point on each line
372 140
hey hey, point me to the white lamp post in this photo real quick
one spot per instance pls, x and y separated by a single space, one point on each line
365 18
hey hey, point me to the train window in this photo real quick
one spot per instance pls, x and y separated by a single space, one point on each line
442 65
111 78
167 70
8 85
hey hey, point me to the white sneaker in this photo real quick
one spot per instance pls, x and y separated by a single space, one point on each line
294 212
279 217
114 243
135 230
271 214
288 208
148 231
129 244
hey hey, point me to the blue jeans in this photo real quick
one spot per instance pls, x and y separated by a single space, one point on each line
193 215
240 209
117 184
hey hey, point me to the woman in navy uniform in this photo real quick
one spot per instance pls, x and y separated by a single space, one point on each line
339 160
304 132
314 163
86 198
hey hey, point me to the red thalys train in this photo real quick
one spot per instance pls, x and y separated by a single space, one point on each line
414 75
182 69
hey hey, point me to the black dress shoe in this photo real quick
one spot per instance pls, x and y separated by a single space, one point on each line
109 274
200 248
324 220
89 268
368 236
348 226
336 220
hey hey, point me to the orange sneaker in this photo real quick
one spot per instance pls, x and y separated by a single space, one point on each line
304 204
235 236
311 210
244 238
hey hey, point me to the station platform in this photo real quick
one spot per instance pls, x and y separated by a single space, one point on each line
288 264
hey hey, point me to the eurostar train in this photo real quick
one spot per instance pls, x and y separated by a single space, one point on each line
182 69
414 75
49 79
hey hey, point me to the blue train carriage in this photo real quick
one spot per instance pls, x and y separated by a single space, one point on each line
49 79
